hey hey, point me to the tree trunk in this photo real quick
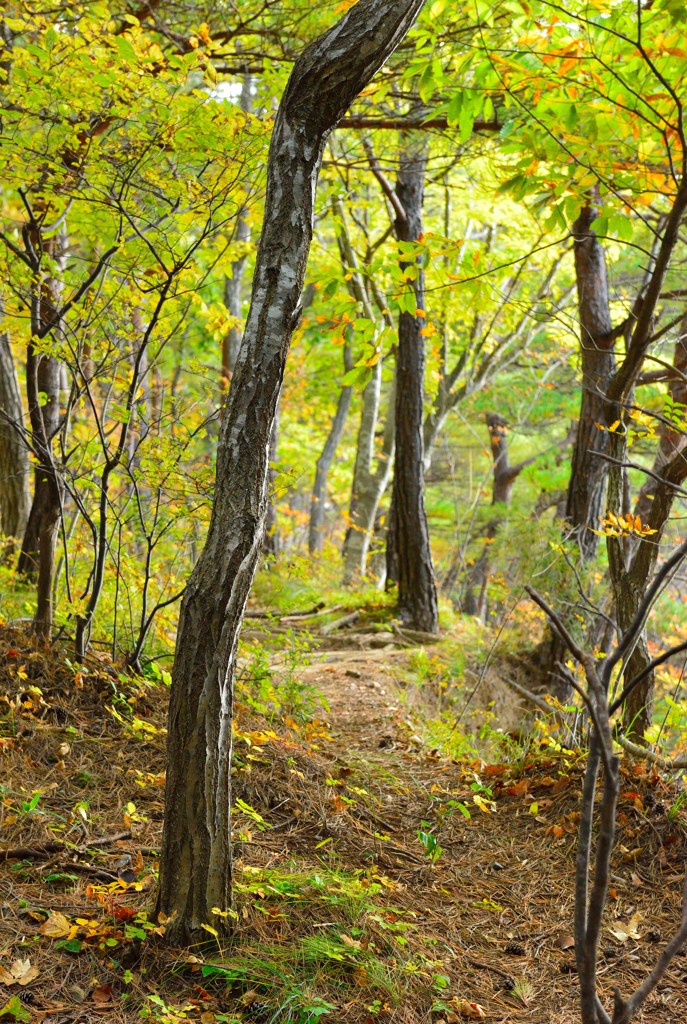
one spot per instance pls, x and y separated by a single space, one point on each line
324 463
589 470
409 554
372 469
504 476
371 475
195 861
631 575
15 495
43 386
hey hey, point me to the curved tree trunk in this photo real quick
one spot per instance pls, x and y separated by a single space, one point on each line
504 476
409 557
15 495
195 861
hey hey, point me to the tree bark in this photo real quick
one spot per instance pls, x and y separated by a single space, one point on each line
371 475
589 470
195 862
504 477
409 557
43 386
654 505
15 495
324 463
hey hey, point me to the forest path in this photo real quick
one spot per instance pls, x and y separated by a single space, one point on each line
359 878
499 895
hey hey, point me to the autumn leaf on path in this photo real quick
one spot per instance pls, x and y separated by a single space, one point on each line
102 994
56 927
20 973
14 1009
466 1008
629 930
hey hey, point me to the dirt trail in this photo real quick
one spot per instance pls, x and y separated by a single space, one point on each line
499 897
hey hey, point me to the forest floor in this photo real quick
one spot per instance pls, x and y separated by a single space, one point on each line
376 880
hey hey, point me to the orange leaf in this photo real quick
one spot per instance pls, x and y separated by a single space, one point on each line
102 994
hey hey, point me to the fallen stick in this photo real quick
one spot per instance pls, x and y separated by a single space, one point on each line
46 850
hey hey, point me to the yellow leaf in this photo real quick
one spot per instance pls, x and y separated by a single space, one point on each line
466 1008
483 804
56 927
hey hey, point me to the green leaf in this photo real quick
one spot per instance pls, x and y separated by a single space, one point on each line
426 84
356 378
16 1010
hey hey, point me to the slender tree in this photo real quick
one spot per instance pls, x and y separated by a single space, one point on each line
195 862
409 557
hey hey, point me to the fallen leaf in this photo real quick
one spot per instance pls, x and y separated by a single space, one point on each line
473 1011
16 1010
348 941
629 930
251 996
20 973
565 942
102 994
56 927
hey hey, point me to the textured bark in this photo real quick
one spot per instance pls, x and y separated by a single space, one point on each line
195 862
324 463
589 470
586 495
632 569
372 467
371 475
409 557
44 378
271 543
475 598
15 495
504 477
